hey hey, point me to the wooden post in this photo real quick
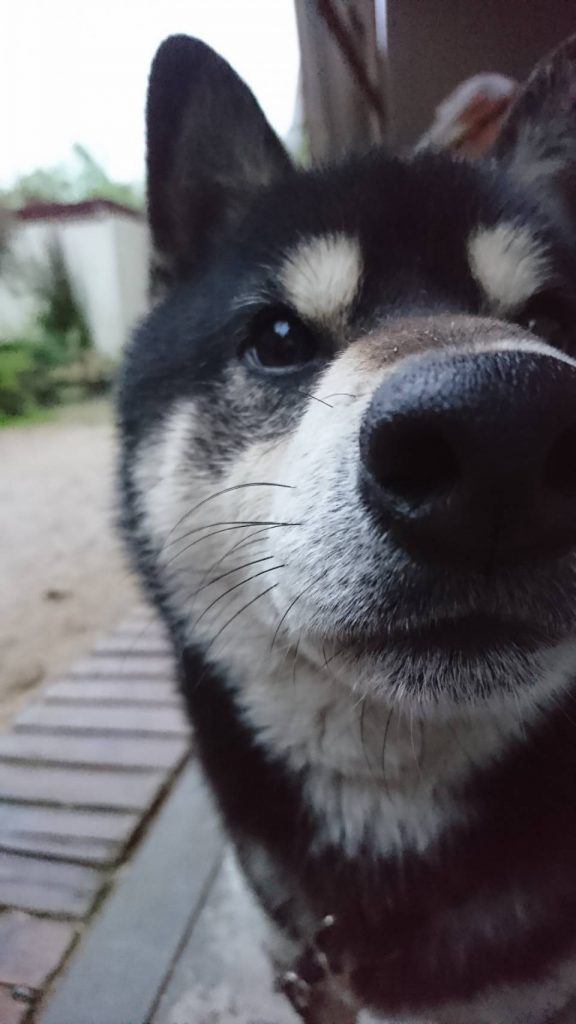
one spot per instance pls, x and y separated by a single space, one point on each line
342 76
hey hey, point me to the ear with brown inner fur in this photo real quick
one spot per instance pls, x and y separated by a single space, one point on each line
537 142
209 147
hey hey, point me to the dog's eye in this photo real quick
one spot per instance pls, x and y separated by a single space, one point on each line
279 341
549 318
545 327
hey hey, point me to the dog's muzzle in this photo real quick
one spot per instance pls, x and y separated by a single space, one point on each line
469 458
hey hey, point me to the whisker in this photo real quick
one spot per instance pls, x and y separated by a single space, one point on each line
348 715
363 738
271 568
295 663
291 605
218 494
413 745
345 394
459 743
383 752
236 568
225 529
239 612
333 657
227 522
253 538
315 397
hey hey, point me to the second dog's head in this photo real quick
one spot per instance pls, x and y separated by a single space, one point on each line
350 420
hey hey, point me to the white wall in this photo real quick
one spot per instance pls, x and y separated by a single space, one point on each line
106 254
133 254
28 244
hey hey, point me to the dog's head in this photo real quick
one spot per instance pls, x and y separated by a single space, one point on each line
350 419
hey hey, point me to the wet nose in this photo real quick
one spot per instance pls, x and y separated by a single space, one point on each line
469 457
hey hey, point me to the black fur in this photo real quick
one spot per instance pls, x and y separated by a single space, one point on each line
426 929
197 98
224 209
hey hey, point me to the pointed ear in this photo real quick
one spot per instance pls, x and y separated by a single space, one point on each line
468 120
537 141
209 148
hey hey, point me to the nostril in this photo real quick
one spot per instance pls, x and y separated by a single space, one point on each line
559 473
469 459
415 463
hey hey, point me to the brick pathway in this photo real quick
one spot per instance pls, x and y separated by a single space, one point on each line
82 773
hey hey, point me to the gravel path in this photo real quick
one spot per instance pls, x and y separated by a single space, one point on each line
63 577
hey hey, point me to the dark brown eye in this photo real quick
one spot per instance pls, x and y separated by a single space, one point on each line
551 318
545 327
279 341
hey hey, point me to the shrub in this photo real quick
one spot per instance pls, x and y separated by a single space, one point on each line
61 320
25 379
33 372
15 362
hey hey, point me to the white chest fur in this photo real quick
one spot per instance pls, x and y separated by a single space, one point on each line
376 777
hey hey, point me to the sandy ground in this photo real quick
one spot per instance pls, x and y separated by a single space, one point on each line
63 577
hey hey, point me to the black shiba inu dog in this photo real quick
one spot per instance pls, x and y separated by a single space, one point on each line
349 482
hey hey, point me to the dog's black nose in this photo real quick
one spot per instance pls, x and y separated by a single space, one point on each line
470 458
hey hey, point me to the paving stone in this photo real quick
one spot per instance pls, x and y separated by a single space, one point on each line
31 949
30 883
138 627
148 692
107 751
82 787
77 774
92 837
94 852
133 643
132 721
11 1010
142 613
119 667
124 958
224 950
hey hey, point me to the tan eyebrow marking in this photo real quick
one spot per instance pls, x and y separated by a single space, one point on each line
509 264
321 276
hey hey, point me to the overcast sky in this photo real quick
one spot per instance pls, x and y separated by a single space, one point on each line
76 72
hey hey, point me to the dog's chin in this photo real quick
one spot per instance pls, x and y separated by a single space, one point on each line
460 664
440 678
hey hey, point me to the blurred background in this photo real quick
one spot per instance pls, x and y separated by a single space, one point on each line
331 75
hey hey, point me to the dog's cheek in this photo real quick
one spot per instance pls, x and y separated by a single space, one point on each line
165 479
186 509
185 476
320 462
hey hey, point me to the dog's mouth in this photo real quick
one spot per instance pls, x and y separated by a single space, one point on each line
469 636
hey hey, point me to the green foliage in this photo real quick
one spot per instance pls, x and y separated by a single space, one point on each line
34 372
25 380
81 178
61 320
15 364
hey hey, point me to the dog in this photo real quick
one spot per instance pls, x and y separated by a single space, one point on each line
348 482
